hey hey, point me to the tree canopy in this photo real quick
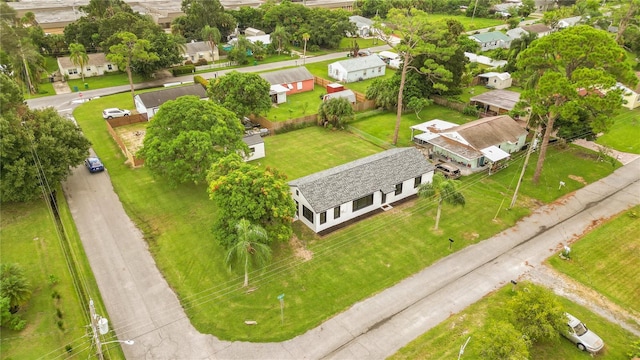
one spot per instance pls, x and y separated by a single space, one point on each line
242 93
250 249
500 340
39 147
441 190
187 135
129 49
336 111
201 13
537 313
569 72
244 191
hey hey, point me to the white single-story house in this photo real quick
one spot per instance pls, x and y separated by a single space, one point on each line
347 94
96 66
392 59
516 33
278 94
148 103
253 32
265 39
357 69
539 29
197 50
496 101
363 25
630 97
333 196
473 145
569 22
496 80
255 143
484 60
491 40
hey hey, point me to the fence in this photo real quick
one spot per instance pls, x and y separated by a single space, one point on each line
292 123
122 121
216 66
448 103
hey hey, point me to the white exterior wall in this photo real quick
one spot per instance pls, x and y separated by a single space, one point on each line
89 71
346 209
511 148
632 100
337 72
258 152
366 74
140 106
496 83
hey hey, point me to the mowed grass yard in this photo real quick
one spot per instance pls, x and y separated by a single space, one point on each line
55 316
625 132
347 266
444 341
297 105
606 260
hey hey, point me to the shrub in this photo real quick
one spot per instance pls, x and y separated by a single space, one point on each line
470 110
200 80
202 62
181 70
314 48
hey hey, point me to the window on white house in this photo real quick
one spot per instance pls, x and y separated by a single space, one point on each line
336 212
109 67
323 217
297 207
398 189
363 202
88 69
308 214
72 71
417 181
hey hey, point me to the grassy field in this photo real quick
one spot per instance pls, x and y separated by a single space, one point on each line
104 81
624 133
606 260
297 105
363 44
467 22
444 341
348 265
55 315
381 125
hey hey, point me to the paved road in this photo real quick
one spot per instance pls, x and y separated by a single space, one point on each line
142 307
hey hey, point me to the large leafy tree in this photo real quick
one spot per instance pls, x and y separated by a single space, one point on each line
567 72
441 190
78 56
7 319
242 93
38 147
420 36
212 36
537 313
250 249
281 37
244 191
501 340
14 286
187 135
129 49
336 111
200 13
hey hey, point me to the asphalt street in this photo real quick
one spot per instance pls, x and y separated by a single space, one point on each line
142 306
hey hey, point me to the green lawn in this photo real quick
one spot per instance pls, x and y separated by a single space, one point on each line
363 44
348 265
335 148
381 125
476 23
625 132
29 238
104 81
444 341
297 105
606 259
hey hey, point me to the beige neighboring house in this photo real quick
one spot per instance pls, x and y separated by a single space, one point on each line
495 80
539 29
96 66
630 97
197 50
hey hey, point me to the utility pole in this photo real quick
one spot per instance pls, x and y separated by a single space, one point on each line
524 166
94 329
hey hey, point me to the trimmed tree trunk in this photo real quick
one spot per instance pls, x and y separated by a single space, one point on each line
246 271
543 147
128 68
438 214
403 78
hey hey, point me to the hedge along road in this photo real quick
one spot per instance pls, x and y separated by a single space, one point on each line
142 306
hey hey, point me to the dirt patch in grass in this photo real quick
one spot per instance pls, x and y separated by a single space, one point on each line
578 179
132 135
299 249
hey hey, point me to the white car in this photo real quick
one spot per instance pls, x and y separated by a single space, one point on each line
114 113
579 334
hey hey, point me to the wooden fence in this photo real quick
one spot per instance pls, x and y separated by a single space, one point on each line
448 103
122 121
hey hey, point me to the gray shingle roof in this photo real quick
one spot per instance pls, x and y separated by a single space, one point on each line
341 184
96 59
196 47
287 75
504 99
490 131
157 98
361 63
490 36
253 139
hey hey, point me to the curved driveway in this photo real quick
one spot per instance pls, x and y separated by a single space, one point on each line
142 306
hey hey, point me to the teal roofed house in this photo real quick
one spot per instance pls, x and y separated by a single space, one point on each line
491 40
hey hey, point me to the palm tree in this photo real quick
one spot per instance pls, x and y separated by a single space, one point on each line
14 285
249 250
442 190
78 56
281 36
306 38
212 35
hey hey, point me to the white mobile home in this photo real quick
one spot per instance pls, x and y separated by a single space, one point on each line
331 197
357 69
